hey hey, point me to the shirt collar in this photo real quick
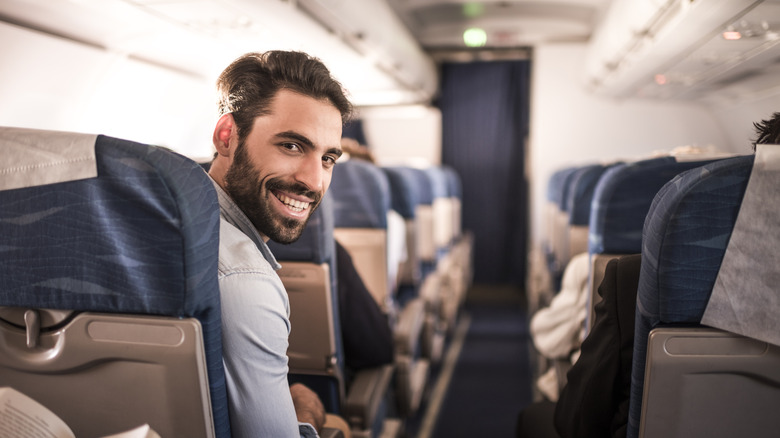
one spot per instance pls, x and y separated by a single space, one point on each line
234 216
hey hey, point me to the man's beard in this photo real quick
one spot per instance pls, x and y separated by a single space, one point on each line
245 187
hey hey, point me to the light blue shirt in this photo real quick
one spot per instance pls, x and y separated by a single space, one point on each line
255 331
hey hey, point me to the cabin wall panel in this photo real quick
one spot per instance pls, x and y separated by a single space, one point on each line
569 126
58 84
737 118
403 134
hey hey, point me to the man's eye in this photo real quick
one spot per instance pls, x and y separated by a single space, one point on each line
291 146
328 160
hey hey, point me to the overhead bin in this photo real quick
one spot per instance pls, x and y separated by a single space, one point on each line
372 29
375 58
683 48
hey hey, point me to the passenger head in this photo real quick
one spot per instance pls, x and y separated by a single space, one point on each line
247 86
767 131
354 149
277 138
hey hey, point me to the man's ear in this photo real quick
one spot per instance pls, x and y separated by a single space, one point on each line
223 133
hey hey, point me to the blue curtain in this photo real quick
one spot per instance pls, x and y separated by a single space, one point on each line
484 108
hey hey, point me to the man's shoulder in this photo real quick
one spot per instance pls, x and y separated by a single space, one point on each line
238 253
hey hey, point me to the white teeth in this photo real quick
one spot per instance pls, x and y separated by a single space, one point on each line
294 205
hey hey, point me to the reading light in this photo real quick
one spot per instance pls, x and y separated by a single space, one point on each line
731 35
474 37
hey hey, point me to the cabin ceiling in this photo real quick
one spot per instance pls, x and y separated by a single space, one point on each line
440 24
385 51
382 50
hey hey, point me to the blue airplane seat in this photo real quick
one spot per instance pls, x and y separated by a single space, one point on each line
442 210
114 267
316 354
557 218
579 197
316 349
462 241
622 198
409 189
405 192
455 192
701 381
361 195
363 225
620 203
425 244
454 186
583 186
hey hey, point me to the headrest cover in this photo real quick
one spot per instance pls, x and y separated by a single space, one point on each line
33 157
744 298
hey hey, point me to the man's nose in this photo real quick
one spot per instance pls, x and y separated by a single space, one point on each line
310 173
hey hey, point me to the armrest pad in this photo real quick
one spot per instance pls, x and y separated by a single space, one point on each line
365 395
430 291
331 433
408 330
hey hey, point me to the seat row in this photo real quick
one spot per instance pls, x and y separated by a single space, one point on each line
109 303
704 351
401 233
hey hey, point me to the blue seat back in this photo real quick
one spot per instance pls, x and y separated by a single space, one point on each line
454 186
405 189
580 194
140 238
361 195
685 236
317 246
621 200
557 186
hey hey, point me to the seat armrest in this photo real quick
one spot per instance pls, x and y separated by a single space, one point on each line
330 432
366 393
407 332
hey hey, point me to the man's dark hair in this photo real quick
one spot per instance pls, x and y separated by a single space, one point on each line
248 85
767 131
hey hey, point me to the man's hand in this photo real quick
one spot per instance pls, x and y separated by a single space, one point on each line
308 407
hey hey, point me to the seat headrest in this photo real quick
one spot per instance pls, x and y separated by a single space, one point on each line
622 199
361 195
34 157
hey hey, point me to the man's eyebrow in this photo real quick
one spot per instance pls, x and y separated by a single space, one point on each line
292 135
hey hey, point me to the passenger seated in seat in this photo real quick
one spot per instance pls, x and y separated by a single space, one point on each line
277 140
368 340
556 329
594 402
767 131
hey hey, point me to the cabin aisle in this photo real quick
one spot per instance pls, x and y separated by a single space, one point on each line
491 379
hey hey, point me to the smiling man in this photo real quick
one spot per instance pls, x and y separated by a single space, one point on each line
277 140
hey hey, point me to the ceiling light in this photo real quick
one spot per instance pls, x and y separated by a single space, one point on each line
474 37
731 35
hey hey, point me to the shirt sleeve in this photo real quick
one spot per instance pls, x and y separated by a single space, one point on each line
255 335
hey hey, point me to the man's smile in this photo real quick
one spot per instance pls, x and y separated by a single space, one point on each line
299 207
